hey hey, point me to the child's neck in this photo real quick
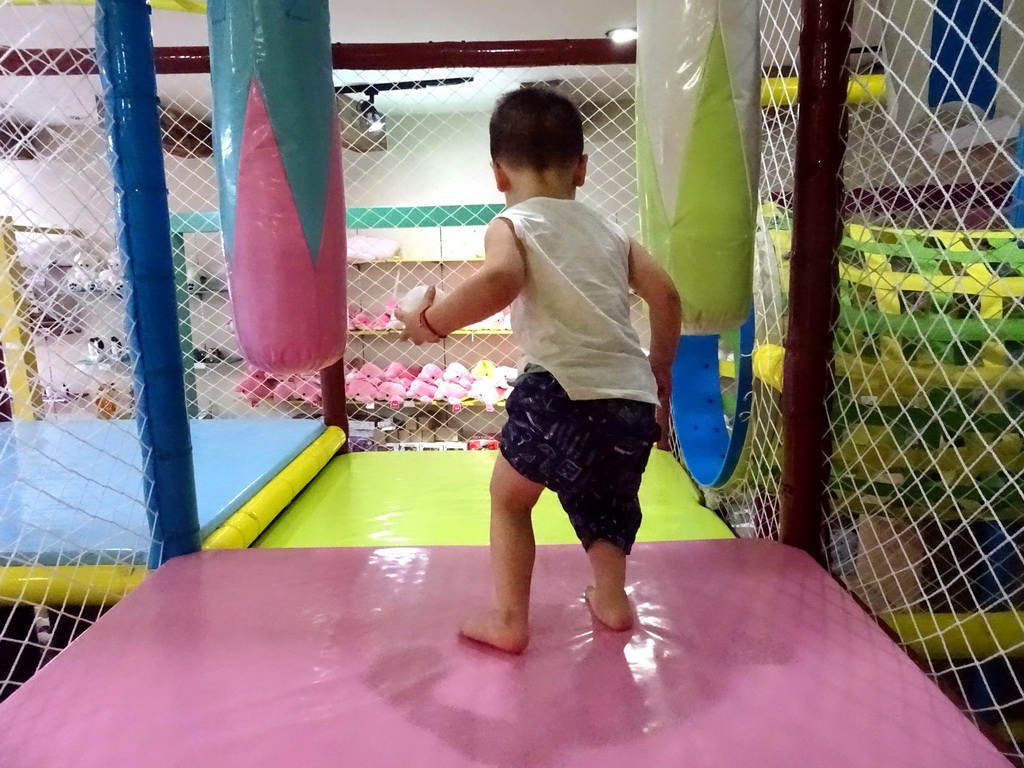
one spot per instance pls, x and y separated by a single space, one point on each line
527 185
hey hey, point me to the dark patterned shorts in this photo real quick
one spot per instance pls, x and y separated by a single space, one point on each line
592 453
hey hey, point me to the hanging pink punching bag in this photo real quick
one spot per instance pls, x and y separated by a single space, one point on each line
279 167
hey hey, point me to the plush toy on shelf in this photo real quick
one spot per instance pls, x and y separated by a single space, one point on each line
110 403
394 393
486 392
358 320
422 391
287 389
398 385
310 391
360 389
398 372
362 249
412 300
431 373
491 385
256 386
457 373
452 392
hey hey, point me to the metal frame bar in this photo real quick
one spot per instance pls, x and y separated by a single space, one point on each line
814 277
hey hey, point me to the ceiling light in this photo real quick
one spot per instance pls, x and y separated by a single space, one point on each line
622 35
375 120
373 117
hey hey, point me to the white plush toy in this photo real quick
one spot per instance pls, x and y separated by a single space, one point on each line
414 298
84 274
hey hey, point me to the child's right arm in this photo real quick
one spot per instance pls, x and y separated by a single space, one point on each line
653 284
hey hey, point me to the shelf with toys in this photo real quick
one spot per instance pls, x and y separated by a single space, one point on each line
464 332
398 386
442 396
69 313
390 251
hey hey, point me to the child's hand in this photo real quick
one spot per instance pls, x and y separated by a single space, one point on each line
415 331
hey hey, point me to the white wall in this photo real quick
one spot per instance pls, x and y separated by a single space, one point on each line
430 160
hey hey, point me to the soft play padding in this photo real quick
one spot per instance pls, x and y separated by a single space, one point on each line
699 122
711 444
72 493
424 498
746 654
279 167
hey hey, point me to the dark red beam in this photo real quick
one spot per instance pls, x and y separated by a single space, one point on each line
41 62
814 273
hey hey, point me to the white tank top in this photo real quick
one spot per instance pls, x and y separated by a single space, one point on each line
572 316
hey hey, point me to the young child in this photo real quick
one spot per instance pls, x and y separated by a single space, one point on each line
582 417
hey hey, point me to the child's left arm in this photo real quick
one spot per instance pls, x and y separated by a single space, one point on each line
487 292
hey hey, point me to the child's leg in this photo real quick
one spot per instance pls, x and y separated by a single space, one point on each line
607 597
512 552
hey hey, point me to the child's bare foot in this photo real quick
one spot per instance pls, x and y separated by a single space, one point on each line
611 610
498 630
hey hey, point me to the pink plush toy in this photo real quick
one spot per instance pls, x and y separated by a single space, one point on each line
361 390
393 392
458 373
309 390
396 371
430 373
358 320
455 371
453 393
287 389
256 386
422 391
372 373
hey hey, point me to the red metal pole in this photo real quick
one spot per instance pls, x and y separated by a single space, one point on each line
817 227
196 59
332 389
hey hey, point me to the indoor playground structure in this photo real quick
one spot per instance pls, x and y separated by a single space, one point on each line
241 519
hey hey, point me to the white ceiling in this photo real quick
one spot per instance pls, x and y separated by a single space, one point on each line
405 21
380 21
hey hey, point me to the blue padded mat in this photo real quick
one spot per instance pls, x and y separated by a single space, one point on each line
71 492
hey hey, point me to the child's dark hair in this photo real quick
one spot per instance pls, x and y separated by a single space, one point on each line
536 128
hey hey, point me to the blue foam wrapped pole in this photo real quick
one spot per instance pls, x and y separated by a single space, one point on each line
124 53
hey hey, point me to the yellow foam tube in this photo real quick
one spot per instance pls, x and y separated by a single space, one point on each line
61 585
242 528
895 377
782 91
961 635
977 281
767 363
188 6
1012 730
19 356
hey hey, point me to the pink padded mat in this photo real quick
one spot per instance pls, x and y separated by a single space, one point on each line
747 655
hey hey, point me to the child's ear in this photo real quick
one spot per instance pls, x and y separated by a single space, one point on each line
501 178
579 175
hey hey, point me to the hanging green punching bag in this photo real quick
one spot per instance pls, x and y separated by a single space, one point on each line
698 131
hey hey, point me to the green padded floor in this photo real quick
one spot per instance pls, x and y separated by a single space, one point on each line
433 498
